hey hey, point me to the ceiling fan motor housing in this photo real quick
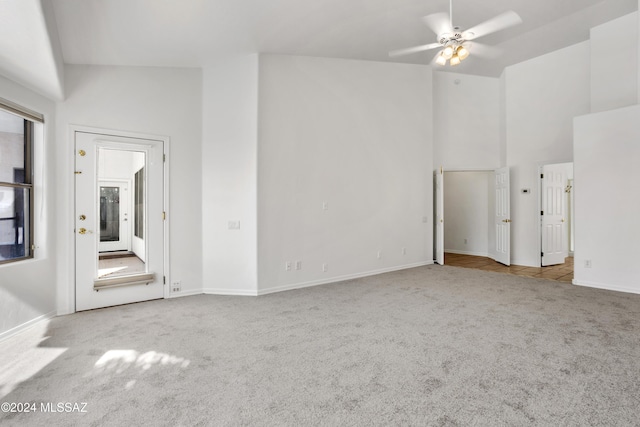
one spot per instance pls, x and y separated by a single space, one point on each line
457 37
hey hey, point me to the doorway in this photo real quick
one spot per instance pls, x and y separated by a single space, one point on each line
119 220
556 213
476 212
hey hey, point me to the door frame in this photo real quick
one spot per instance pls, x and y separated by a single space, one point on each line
72 129
118 181
490 251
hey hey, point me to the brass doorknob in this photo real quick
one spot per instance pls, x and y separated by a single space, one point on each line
83 217
562 219
83 231
506 220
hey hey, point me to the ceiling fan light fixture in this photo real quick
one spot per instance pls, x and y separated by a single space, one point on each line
448 52
455 60
441 60
462 53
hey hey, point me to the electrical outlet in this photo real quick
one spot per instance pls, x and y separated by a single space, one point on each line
379 254
298 265
287 266
325 267
404 251
587 263
233 225
176 286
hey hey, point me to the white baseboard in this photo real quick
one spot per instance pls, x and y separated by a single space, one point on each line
473 253
339 278
20 328
605 286
236 292
334 279
184 294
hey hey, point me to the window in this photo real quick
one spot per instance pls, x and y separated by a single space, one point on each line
16 183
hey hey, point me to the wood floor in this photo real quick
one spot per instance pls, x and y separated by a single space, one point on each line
561 272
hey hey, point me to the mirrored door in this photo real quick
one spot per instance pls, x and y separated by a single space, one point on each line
119 220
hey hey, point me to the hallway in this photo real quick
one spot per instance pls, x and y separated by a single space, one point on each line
561 272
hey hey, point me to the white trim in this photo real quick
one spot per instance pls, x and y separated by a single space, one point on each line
471 169
222 291
454 251
340 278
21 328
604 286
166 143
336 279
184 293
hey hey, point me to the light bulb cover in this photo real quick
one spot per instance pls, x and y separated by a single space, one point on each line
448 52
462 53
455 60
441 60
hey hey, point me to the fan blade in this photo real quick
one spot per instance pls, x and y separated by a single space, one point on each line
482 50
439 23
497 23
414 49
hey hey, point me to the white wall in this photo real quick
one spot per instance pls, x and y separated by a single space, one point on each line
356 136
466 121
607 199
157 101
28 288
614 64
229 176
467 212
542 97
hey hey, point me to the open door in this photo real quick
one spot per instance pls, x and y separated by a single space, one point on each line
553 212
139 276
502 213
439 215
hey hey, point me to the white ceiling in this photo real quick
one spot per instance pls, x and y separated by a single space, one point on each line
194 33
29 49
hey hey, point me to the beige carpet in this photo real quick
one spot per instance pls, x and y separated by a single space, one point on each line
427 346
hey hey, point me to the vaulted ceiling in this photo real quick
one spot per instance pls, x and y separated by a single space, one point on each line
193 33
37 36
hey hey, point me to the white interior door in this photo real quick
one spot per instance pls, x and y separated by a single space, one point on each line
115 233
439 215
554 218
502 213
135 279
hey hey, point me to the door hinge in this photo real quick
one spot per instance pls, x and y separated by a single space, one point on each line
33 248
541 253
542 176
164 158
164 216
541 212
164 280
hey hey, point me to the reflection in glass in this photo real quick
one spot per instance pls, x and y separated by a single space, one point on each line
14 217
139 204
16 189
109 214
122 245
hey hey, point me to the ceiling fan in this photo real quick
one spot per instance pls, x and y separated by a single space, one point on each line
454 43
